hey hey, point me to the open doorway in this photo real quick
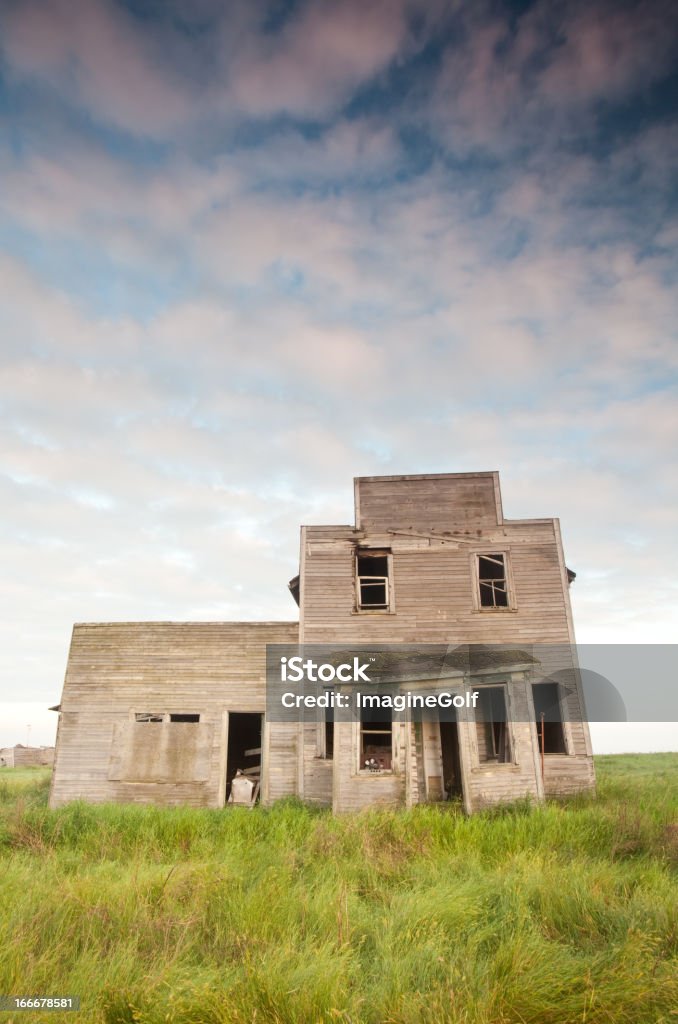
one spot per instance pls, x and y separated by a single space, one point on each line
244 746
449 745
548 718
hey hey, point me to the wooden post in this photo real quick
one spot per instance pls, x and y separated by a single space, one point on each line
542 745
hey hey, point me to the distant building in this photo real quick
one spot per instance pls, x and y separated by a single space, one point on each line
23 757
168 712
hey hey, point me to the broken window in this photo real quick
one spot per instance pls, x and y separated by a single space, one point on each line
326 747
492 583
329 733
372 571
162 716
376 740
549 719
492 725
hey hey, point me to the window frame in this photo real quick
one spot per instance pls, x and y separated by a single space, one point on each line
367 552
511 602
359 733
325 718
564 721
165 717
492 764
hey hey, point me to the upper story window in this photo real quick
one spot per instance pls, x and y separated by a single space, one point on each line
373 580
493 581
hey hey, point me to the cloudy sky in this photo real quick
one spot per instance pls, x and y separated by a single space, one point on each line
249 250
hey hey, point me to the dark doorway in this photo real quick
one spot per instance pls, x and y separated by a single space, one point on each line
550 732
244 746
449 743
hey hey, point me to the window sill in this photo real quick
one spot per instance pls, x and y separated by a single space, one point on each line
493 766
495 611
376 775
373 611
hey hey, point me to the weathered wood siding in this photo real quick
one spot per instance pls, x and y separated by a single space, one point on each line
566 776
280 761
316 771
435 527
433 589
433 502
354 790
487 783
118 669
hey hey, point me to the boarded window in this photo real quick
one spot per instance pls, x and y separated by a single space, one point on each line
141 752
372 572
549 719
492 725
376 740
492 583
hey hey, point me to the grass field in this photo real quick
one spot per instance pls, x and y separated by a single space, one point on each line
564 913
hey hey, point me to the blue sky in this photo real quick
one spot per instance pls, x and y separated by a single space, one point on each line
251 250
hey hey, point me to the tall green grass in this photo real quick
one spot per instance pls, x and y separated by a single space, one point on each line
551 915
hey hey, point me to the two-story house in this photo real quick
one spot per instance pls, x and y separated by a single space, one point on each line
169 712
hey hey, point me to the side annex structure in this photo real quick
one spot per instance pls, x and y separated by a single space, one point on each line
172 713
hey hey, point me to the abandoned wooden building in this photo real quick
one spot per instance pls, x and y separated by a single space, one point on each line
170 712
20 756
